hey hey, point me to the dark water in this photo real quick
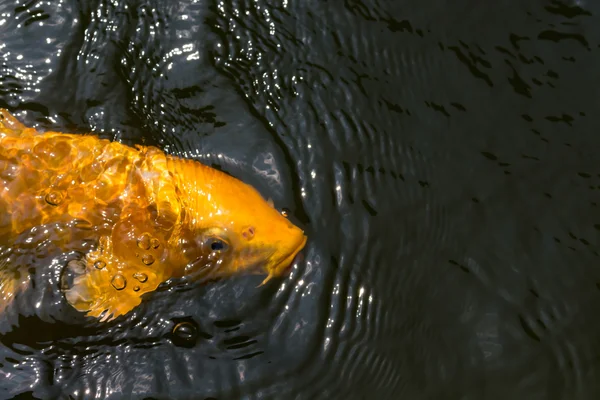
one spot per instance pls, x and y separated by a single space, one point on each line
441 156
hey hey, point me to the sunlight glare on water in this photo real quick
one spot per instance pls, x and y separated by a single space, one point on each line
440 157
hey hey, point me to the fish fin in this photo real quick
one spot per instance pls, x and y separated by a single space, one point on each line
92 293
107 290
76 287
267 279
11 126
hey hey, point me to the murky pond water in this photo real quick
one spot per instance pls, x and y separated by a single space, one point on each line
440 156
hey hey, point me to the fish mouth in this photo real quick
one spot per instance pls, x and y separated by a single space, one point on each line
259 263
286 262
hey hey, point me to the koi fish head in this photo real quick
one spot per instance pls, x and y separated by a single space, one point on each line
179 218
224 216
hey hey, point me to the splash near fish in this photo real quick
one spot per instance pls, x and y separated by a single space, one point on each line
152 216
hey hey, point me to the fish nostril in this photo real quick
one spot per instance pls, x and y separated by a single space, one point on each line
248 233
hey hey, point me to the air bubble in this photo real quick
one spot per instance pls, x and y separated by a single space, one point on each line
143 241
54 197
140 277
136 288
147 259
185 334
119 282
155 243
99 264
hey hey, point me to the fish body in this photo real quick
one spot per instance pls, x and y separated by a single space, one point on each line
152 216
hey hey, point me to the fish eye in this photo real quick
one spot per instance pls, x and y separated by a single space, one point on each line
216 244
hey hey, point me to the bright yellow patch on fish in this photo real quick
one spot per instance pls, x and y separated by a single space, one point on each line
154 216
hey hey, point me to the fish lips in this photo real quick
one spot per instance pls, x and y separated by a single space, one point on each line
285 263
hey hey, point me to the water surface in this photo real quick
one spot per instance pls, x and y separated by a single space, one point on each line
441 156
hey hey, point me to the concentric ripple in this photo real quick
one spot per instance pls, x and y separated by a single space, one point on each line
440 156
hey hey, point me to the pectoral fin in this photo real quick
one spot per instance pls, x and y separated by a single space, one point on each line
104 287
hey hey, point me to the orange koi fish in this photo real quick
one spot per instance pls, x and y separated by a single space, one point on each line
151 216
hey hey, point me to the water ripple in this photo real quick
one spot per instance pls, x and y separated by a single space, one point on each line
449 252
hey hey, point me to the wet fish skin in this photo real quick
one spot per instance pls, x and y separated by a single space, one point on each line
154 216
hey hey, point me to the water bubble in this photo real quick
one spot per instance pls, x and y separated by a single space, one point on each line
119 282
155 243
99 264
147 259
136 288
185 334
143 241
54 197
140 277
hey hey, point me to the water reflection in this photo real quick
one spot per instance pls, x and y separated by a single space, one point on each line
439 156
